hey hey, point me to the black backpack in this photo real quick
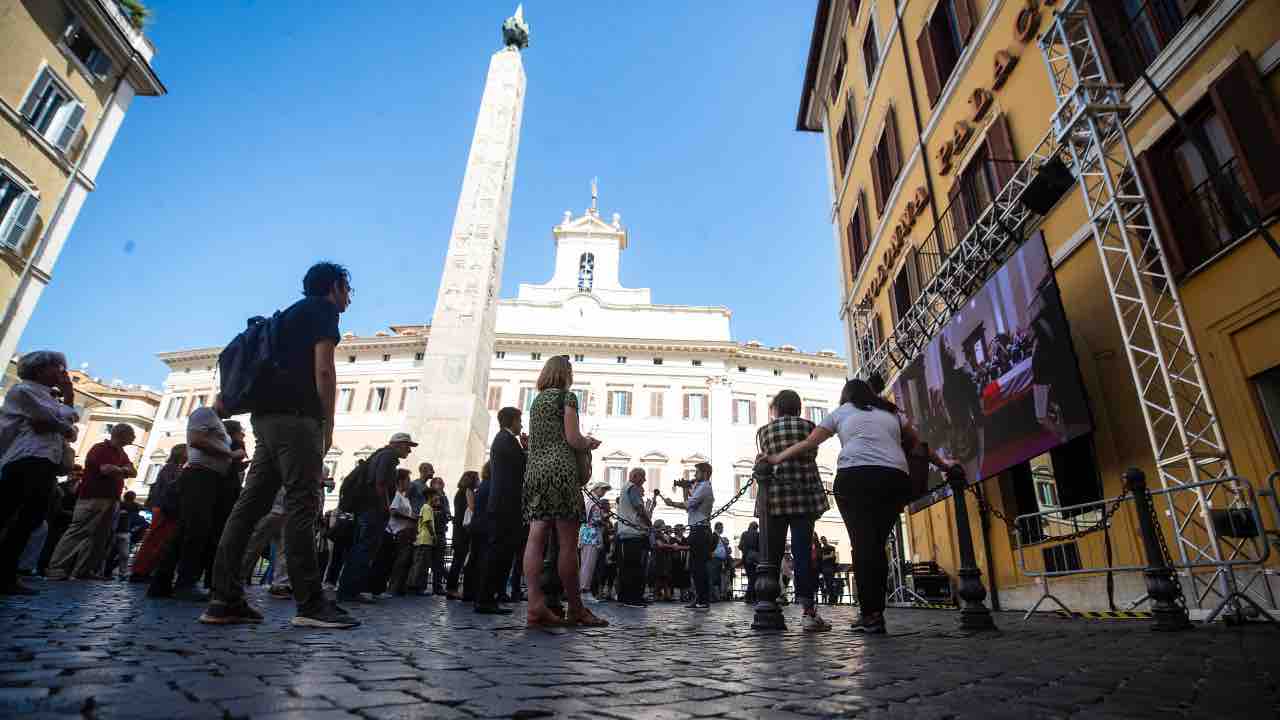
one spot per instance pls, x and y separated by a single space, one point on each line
248 365
352 492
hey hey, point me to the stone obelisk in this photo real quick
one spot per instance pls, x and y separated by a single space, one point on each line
452 422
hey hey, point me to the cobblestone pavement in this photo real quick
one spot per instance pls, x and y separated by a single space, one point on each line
103 650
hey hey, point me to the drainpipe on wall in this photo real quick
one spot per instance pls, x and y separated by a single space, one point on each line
24 280
924 151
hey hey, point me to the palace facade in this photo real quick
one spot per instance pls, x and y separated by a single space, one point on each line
663 386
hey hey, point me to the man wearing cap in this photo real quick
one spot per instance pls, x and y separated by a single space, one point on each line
371 505
503 510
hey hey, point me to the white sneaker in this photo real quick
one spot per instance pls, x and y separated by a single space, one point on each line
814 623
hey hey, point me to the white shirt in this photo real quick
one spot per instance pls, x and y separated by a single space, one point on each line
867 437
205 420
30 402
400 503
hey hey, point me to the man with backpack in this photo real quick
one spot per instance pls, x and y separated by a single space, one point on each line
367 494
282 371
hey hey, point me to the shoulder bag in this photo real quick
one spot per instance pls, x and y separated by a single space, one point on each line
583 457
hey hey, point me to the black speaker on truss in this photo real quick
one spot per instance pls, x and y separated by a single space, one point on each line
1051 182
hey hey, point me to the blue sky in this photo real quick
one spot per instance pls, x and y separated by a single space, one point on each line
290 136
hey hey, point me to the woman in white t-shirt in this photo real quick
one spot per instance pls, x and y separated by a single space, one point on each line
871 481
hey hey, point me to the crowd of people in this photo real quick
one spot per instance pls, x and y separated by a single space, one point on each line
529 519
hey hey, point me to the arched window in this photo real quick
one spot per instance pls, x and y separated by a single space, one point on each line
586 271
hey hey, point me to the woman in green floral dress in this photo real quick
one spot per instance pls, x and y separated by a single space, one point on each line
553 492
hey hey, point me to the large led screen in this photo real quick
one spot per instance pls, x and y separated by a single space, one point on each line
1000 384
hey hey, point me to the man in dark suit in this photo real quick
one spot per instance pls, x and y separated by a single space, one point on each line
502 509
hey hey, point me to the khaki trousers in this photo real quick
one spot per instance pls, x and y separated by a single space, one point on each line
83 547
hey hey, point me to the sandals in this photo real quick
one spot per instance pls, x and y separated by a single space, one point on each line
583 617
543 618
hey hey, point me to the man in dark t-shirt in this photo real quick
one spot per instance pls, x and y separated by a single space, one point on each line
293 429
306 322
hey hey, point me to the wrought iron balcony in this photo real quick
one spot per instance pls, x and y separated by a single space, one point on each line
1212 215
1133 40
974 235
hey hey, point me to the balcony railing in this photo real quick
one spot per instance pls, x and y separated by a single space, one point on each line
1142 34
1212 215
955 222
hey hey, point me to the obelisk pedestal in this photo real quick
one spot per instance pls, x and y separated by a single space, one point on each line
451 422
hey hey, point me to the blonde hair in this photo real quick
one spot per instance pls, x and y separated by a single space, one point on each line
556 373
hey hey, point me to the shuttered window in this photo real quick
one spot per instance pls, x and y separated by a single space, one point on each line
619 403
972 193
857 233
886 161
377 399
52 110
744 411
655 404
941 42
1199 209
17 211
82 45
870 52
495 398
837 75
1000 150
408 394
845 136
695 406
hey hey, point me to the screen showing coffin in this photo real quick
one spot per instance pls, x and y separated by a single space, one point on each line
1000 384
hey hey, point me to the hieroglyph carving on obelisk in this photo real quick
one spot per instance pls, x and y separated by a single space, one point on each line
452 422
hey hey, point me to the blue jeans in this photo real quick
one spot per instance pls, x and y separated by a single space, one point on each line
357 565
801 541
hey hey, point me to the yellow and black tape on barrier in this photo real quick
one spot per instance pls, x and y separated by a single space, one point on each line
933 606
1107 615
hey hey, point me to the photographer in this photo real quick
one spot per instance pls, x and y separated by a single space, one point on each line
698 501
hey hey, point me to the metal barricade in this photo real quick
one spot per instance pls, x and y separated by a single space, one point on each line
1238 530
1053 533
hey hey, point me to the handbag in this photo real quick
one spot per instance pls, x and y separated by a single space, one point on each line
581 457
917 471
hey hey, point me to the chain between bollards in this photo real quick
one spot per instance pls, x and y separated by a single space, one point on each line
1162 583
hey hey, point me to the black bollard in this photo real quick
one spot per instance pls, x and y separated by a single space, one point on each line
974 614
1162 583
768 616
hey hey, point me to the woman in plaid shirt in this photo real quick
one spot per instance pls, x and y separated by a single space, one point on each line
796 499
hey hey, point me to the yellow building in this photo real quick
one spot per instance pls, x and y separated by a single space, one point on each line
107 404
938 115
69 70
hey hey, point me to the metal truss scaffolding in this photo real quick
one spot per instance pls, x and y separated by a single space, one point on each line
1182 425
1088 136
